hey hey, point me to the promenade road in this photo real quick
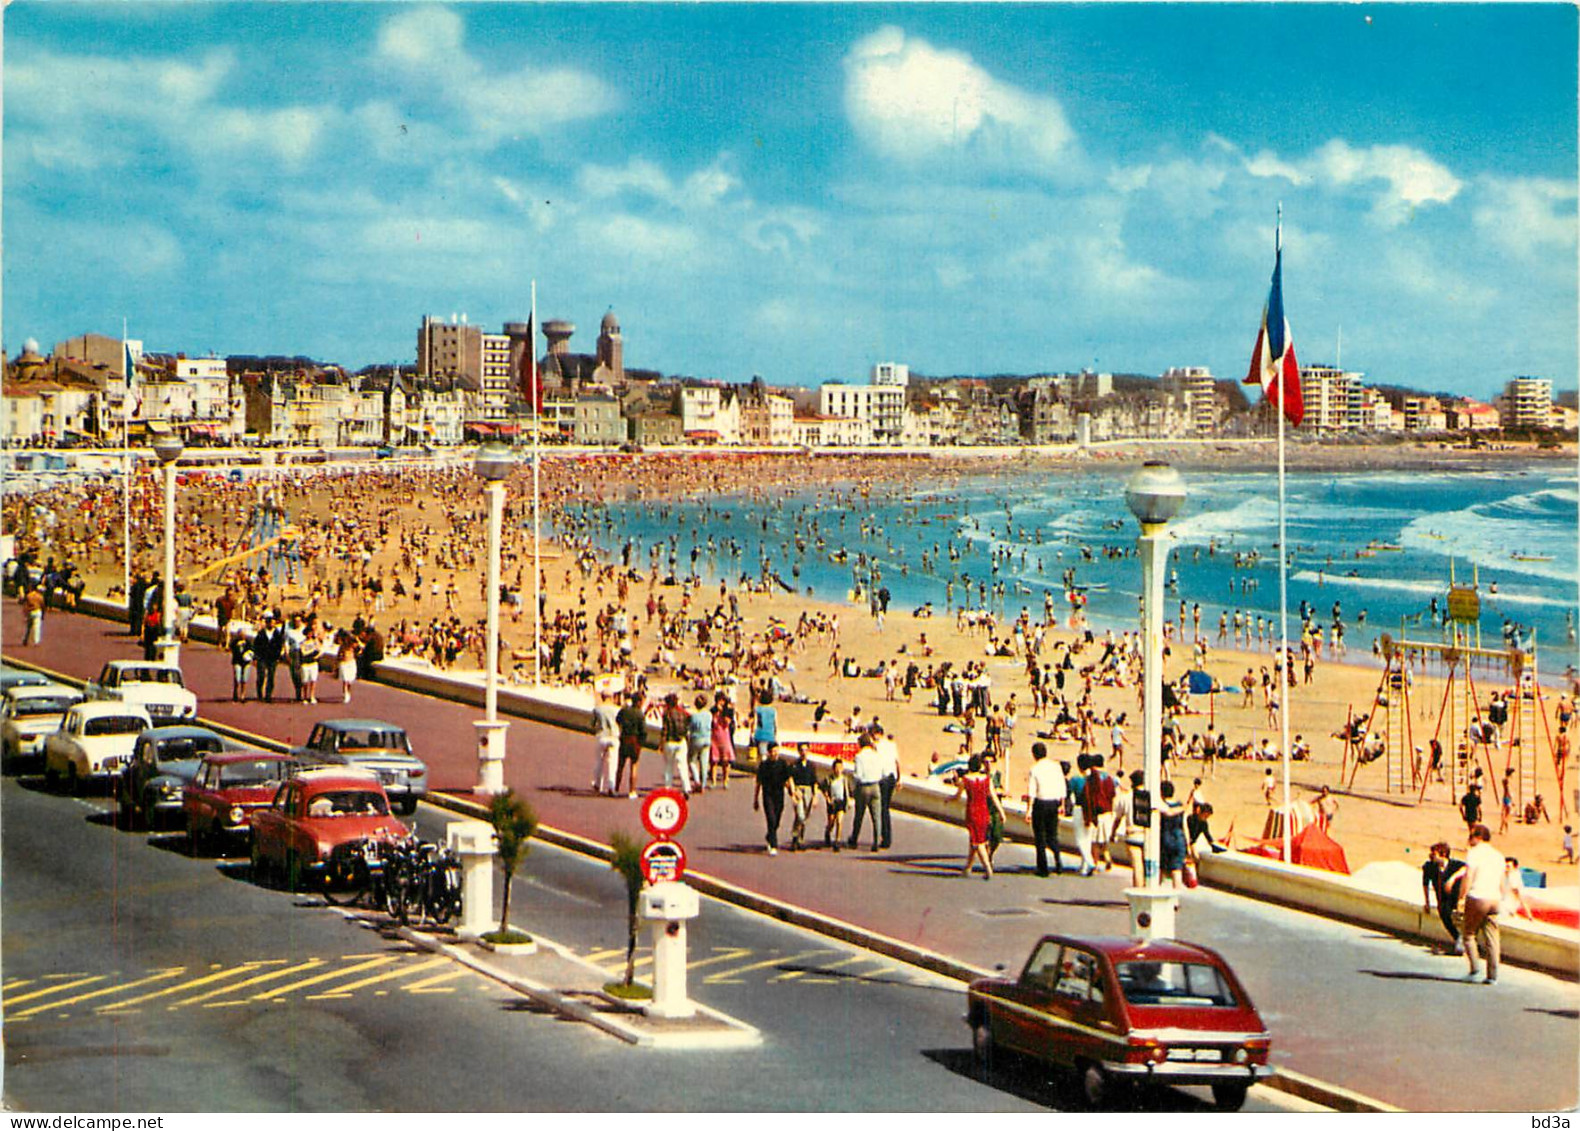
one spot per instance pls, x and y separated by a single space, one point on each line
1348 1005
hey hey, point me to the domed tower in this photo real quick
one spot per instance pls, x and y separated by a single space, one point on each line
611 352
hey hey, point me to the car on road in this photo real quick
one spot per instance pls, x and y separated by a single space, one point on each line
156 687
30 713
164 760
312 814
21 677
94 742
1119 1010
227 791
369 744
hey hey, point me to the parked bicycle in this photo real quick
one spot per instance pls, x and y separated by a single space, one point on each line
359 874
426 883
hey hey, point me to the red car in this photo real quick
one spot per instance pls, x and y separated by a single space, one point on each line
228 789
313 814
1125 1010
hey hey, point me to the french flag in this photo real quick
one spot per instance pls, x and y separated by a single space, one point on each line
1273 364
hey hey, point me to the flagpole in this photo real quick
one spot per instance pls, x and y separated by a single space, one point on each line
126 471
537 442
1283 578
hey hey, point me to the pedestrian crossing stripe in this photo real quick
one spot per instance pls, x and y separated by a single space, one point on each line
169 972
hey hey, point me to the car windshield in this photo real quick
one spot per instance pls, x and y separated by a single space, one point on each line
189 747
261 772
41 705
348 803
362 739
1173 983
115 724
151 675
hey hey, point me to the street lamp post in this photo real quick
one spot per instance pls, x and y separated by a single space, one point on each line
493 465
1154 495
168 448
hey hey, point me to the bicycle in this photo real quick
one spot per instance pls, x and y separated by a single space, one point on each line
359 874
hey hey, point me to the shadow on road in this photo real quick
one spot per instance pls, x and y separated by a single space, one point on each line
1414 976
1039 1084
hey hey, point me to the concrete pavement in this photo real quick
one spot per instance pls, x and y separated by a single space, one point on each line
1345 1004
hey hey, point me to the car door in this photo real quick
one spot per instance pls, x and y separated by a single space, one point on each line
269 826
1082 1000
1024 1024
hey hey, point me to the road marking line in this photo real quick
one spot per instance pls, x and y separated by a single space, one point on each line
244 968
275 995
388 974
619 967
15 984
715 979
730 955
12 1004
308 965
53 977
431 985
790 975
168 972
600 955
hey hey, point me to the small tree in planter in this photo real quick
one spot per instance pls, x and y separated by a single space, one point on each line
626 858
514 822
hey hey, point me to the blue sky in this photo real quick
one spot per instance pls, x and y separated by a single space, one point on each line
802 190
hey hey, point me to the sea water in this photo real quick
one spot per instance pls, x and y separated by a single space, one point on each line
1372 548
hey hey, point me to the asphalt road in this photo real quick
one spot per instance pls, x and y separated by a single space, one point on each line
139 979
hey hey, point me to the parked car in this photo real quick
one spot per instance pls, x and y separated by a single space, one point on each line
94 742
30 713
21 677
164 760
1125 1010
314 813
156 687
226 792
369 744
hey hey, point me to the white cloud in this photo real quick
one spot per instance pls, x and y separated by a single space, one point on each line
1409 177
1527 215
910 100
643 178
428 47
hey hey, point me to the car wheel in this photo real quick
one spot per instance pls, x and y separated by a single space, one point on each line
1229 1095
73 780
1096 1087
51 778
407 807
982 1046
260 866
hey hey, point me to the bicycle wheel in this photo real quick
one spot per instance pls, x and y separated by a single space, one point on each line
346 882
446 904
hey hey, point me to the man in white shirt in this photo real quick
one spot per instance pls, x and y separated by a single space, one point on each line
889 759
867 769
1045 792
1481 883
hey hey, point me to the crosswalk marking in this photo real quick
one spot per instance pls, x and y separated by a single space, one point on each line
724 976
432 986
731 953
55 989
601 955
298 968
169 972
244 968
791 975
370 964
15 984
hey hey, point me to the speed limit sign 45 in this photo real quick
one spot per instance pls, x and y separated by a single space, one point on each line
664 812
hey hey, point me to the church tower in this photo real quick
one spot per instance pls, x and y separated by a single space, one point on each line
611 352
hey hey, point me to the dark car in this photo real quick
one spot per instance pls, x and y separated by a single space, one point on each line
229 788
1125 1010
312 815
164 760
369 744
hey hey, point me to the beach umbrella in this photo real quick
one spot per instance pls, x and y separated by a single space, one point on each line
1202 683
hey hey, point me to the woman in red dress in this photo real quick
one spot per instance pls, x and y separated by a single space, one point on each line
981 803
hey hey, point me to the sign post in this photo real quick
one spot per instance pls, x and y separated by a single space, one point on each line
667 903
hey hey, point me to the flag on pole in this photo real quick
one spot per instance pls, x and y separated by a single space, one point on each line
1273 364
530 384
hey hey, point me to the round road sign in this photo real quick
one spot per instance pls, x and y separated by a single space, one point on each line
662 861
664 812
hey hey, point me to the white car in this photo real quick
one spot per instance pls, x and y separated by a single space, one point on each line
156 687
94 741
28 715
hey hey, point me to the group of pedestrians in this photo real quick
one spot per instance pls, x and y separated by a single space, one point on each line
305 646
1470 895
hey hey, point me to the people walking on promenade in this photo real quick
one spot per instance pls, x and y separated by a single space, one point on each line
33 617
773 774
240 661
765 725
889 761
723 741
606 733
699 741
347 647
1170 815
836 797
672 727
632 721
1480 885
803 795
976 786
867 769
1045 793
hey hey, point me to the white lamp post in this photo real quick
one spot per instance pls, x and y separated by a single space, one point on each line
493 465
168 448
1154 495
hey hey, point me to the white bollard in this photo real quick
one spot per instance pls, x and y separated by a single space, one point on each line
491 755
473 842
665 907
1152 912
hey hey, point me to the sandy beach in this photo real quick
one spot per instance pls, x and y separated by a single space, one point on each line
420 533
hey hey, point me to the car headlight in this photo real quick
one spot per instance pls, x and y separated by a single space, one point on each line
1242 1054
236 814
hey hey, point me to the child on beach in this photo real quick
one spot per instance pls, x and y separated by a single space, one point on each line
1569 846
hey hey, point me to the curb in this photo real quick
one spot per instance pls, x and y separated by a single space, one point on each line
1297 1084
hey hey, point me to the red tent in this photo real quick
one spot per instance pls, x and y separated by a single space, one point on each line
1310 847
